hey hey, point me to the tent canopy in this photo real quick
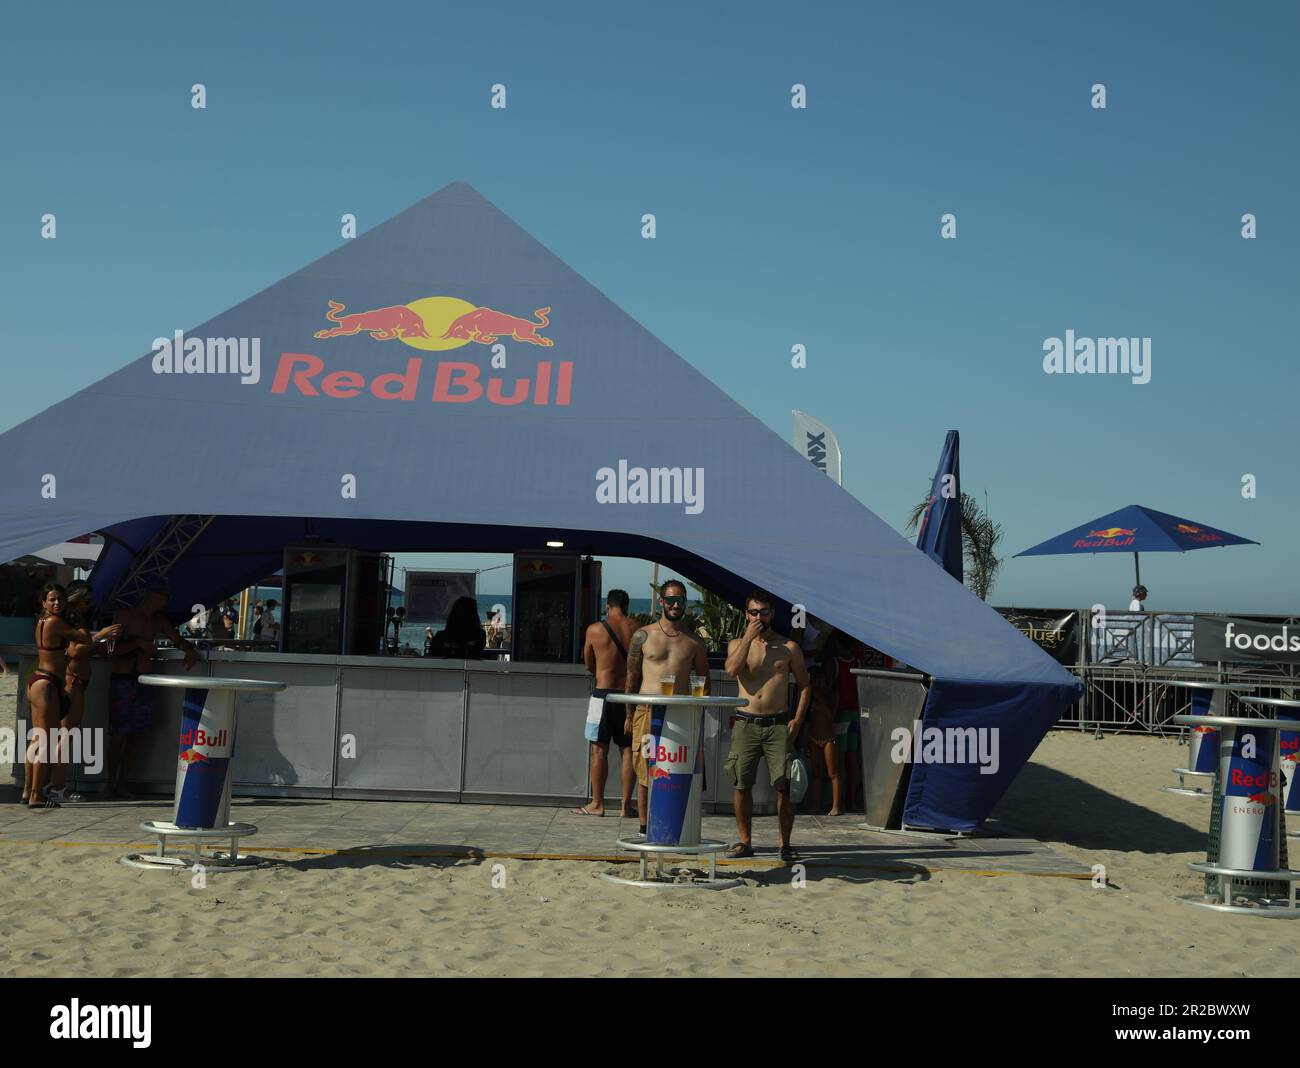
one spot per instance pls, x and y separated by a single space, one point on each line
444 381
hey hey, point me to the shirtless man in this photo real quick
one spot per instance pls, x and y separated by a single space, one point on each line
761 662
605 654
130 705
659 648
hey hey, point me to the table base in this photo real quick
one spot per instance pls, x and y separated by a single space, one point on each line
1183 789
1273 908
638 844
216 861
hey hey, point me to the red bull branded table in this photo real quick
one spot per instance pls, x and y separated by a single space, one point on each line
676 763
1288 710
1208 699
203 774
1245 867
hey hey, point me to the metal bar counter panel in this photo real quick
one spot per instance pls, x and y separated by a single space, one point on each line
400 730
524 739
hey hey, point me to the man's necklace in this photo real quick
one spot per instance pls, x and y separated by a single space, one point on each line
675 634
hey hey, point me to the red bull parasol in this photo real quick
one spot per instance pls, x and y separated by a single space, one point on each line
1137 529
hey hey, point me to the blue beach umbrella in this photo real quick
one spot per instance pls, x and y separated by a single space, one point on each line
1135 530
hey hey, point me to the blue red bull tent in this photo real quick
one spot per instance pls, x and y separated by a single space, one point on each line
443 382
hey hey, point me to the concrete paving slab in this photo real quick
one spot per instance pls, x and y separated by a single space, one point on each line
309 825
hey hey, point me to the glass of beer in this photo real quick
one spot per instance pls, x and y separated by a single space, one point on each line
697 685
667 685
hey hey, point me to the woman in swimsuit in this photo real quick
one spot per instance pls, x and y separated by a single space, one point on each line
45 687
78 614
821 737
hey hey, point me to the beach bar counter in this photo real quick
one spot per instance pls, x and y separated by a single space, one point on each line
353 723
398 728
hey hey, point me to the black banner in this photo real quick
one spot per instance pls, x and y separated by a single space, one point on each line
1232 638
1055 631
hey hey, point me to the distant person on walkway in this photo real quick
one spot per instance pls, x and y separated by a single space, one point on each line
1139 597
230 617
266 628
463 638
217 627
495 629
130 704
45 695
605 653
659 649
762 663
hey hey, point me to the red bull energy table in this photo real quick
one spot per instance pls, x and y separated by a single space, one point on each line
1208 699
675 758
1246 863
1288 710
203 772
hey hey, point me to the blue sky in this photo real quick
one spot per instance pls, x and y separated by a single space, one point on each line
775 226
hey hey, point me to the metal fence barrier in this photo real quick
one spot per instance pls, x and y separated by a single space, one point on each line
1130 664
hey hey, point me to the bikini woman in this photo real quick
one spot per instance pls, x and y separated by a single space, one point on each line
78 614
45 687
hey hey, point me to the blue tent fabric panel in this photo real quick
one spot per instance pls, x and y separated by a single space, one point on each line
958 797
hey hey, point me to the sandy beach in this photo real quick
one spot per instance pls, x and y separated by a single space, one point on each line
73 910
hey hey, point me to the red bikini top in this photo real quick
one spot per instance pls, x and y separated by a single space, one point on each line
50 648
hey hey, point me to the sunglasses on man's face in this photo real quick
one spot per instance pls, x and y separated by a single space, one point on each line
760 611
674 600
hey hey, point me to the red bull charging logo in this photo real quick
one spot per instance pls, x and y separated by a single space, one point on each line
1197 534
438 323
431 324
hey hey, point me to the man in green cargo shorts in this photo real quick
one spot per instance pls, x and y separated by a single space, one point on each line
762 662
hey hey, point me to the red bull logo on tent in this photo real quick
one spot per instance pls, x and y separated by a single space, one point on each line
431 324
435 323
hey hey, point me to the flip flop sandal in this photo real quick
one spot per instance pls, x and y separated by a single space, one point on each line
789 854
584 811
739 851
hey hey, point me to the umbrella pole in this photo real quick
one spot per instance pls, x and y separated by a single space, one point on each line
1137 571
